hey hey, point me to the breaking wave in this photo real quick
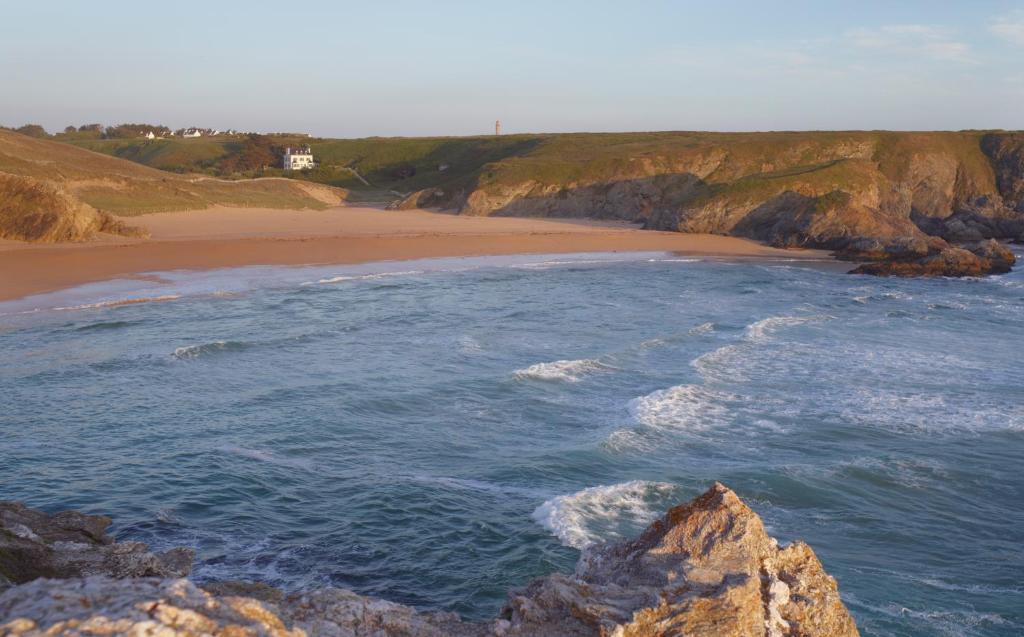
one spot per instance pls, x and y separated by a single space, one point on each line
760 331
689 407
363 277
565 370
604 513
192 352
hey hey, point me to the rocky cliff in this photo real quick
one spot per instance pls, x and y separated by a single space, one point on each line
841 191
707 568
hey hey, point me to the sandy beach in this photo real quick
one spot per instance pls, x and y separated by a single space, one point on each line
231 237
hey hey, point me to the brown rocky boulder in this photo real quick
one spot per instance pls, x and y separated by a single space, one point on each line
72 544
708 568
978 259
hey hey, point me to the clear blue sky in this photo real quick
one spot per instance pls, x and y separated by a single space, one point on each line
423 68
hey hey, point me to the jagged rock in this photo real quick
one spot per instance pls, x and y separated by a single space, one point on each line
71 544
706 569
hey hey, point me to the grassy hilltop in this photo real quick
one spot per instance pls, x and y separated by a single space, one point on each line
729 166
864 192
51 191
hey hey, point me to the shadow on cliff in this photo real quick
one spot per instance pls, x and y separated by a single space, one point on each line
454 166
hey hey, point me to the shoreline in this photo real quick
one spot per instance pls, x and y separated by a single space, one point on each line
232 237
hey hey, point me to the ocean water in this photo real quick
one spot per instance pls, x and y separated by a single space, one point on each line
440 431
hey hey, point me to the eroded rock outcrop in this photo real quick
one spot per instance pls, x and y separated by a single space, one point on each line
977 259
707 568
71 544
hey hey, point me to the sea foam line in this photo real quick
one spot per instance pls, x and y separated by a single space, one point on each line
363 277
120 302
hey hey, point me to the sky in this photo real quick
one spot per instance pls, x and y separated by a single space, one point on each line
348 69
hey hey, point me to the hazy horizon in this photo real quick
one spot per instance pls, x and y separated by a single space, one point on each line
452 69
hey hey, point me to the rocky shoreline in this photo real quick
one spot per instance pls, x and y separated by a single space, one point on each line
910 204
707 568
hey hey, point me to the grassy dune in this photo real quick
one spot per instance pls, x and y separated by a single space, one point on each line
57 181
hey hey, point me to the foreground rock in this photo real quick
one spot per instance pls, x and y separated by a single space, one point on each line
707 568
71 544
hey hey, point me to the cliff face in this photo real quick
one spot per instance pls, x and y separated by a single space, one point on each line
836 191
706 569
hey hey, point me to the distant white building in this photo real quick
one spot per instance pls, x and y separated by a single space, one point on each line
192 132
150 135
298 158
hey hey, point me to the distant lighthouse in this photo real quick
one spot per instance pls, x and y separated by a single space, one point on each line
497 127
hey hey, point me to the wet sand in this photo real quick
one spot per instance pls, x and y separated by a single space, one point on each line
233 237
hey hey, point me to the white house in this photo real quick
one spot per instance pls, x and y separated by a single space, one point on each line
192 132
298 158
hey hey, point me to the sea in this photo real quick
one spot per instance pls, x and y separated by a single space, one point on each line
438 432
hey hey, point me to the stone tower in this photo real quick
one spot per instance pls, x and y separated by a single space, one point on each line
497 127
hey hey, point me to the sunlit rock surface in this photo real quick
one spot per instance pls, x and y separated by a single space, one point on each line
707 568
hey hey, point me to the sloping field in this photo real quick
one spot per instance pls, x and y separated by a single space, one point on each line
51 182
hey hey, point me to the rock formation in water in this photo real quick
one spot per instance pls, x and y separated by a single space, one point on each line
975 259
71 544
707 569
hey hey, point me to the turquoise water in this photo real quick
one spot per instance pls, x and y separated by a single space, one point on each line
438 432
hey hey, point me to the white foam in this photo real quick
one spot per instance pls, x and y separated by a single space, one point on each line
120 302
603 513
703 328
689 407
690 260
364 277
469 345
565 370
760 331
633 440
192 352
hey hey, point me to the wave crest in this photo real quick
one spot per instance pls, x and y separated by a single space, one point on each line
192 352
681 407
604 513
760 331
565 370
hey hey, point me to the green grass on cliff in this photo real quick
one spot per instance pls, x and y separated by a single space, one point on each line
123 187
731 164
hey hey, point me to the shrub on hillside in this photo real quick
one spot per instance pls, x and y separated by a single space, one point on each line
32 130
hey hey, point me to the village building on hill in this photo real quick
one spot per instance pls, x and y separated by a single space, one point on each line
298 158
